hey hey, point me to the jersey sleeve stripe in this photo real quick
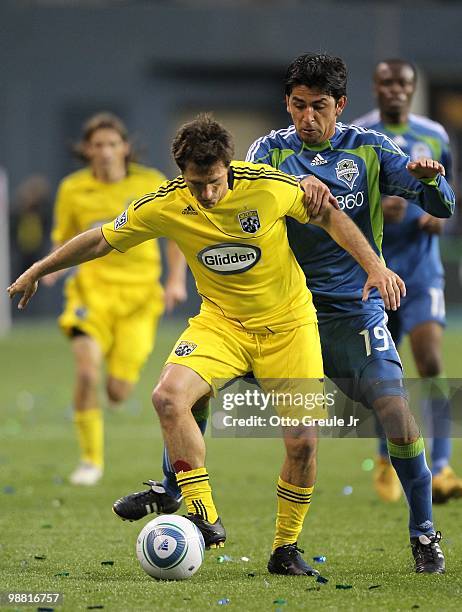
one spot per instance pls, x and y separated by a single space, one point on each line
161 193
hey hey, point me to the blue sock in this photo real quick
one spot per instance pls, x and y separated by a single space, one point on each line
170 484
416 480
383 448
437 414
382 440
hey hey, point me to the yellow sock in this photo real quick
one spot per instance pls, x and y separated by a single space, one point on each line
197 493
293 504
90 433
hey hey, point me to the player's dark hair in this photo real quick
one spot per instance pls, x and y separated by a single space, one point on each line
326 73
101 121
395 61
202 142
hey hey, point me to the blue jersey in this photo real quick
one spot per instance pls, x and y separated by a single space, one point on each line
358 165
411 252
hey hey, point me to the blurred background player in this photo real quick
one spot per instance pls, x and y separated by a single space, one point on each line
30 224
411 248
112 306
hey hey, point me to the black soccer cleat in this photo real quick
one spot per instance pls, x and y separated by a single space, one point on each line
214 534
428 556
155 499
287 560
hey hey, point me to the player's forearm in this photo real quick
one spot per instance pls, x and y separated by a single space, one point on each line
347 234
84 247
176 263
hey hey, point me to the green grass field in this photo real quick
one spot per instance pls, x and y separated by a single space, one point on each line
56 538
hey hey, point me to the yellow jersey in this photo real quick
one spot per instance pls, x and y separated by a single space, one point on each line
83 202
238 250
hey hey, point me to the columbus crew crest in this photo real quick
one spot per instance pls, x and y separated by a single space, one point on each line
347 171
185 348
250 221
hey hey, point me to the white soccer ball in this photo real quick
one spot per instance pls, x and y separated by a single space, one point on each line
170 547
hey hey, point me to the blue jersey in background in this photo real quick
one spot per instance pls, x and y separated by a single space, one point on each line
408 250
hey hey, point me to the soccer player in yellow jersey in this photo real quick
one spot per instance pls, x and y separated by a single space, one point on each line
112 304
257 313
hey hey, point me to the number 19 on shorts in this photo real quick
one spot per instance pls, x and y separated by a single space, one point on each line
380 340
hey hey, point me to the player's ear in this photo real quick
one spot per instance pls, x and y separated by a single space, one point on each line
287 104
341 103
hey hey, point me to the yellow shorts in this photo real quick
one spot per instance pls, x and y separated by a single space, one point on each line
123 320
218 350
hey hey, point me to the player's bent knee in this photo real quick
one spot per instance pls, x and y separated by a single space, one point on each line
166 399
118 390
302 450
429 367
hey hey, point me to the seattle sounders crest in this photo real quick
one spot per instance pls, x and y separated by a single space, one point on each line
347 171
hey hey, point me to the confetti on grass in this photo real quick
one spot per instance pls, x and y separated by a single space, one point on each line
321 559
107 562
224 559
223 602
374 586
280 601
367 465
347 490
343 586
62 574
322 580
9 490
40 557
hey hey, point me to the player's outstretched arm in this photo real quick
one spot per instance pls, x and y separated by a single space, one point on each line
84 247
175 287
347 234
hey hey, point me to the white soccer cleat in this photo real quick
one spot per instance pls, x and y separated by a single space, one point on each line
86 474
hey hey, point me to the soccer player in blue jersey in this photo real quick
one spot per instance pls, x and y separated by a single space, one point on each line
411 248
357 165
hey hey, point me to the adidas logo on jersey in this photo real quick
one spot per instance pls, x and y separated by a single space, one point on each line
318 160
189 210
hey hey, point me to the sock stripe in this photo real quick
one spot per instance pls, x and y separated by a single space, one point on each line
294 501
294 493
204 510
291 498
196 507
408 451
200 508
191 479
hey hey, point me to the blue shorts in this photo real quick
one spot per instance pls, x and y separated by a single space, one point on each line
421 305
361 358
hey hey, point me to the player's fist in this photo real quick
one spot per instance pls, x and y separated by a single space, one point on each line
394 209
317 196
430 224
425 168
174 293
